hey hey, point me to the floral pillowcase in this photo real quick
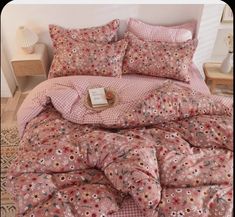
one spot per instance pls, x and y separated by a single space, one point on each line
160 59
87 51
101 34
86 58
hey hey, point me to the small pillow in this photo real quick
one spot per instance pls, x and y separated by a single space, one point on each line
100 34
86 58
149 32
161 59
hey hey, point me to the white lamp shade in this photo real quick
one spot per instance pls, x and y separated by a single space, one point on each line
25 37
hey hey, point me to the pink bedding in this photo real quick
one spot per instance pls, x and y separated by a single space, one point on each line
162 150
197 83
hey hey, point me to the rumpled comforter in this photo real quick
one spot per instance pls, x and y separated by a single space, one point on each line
168 147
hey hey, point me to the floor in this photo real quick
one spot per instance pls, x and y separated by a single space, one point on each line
9 108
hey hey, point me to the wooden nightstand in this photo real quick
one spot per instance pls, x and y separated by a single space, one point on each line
214 77
31 69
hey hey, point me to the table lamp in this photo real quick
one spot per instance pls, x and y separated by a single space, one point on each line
26 39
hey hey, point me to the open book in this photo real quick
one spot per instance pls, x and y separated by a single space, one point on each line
98 97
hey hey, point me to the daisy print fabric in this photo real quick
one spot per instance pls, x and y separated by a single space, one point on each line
86 58
101 34
170 150
160 59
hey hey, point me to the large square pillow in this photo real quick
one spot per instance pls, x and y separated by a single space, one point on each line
100 34
87 58
179 33
160 59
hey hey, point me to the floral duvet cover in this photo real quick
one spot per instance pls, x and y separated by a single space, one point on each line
169 148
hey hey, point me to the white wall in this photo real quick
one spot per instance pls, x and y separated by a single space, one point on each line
37 18
5 90
8 84
226 27
208 27
220 49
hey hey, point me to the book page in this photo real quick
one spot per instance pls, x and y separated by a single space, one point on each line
98 97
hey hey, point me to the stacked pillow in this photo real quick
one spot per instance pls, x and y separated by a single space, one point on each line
179 33
161 59
87 51
101 34
160 51
146 49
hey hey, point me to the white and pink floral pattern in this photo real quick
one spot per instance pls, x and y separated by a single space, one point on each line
102 34
171 151
87 58
161 59
179 33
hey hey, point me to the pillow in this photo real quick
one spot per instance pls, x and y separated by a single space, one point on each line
100 34
149 32
161 59
86 58
191 26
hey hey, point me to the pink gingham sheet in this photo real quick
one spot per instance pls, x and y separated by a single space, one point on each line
30 108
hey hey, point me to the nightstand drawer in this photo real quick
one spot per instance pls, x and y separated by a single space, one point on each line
28 67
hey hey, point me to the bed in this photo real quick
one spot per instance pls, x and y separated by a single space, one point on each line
165 148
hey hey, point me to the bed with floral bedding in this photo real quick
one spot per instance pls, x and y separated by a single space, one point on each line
163 150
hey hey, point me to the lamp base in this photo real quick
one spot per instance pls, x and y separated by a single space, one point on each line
28 50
